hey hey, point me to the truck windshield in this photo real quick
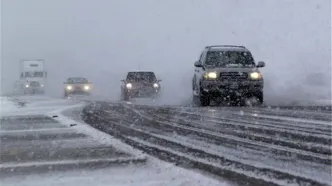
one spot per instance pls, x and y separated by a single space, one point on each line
229 59
33 74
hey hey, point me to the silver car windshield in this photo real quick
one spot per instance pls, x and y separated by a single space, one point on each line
77 80
230 59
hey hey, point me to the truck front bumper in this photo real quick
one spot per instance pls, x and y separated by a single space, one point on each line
239 88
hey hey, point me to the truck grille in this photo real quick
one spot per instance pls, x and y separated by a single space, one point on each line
233 75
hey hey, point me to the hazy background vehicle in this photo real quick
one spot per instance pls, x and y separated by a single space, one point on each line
33 76
140 84
229 73
77 86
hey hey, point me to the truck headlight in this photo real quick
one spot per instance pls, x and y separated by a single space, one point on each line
86 87
69 87
210 75
129 85
26 85
155 85
255 75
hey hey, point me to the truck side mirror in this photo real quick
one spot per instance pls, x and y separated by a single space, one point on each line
260 64
198 64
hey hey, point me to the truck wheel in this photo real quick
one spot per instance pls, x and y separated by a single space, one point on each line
204 100
260 97
125 97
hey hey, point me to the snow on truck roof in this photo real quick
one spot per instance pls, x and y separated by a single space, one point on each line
140 72
226 48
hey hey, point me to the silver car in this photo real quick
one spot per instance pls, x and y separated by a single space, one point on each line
228 73
77 86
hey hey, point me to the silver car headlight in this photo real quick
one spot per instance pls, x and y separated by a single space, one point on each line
155 85
129 85
210 75
255 75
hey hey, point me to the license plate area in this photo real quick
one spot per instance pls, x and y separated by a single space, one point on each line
234 85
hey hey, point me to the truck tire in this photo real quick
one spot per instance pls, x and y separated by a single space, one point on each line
125 97
260 97
204 100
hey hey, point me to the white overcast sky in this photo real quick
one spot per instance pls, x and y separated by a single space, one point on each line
103 39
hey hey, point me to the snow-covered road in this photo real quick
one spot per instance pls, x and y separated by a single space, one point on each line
278 146
43 142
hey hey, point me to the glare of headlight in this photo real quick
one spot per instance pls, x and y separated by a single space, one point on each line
26 86
129 85
155 85
86 87
255 75
210 75
69 87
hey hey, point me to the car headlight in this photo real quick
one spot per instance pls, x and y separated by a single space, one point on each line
255 75
26 86
69 87
210 75
129 85
155 85
86 87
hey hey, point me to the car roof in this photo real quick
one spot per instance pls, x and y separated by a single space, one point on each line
76 78
226 48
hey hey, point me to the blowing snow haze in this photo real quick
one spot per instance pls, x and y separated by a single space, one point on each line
102 40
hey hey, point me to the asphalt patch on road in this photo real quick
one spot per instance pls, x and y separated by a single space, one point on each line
27 120
39 137
40 143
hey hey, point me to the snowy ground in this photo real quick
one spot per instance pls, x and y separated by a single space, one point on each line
21 133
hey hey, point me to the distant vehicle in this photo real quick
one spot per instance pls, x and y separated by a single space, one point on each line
32 77
140 84
227 72
77 86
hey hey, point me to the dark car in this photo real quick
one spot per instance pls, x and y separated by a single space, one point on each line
77 86
140 85
227 72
